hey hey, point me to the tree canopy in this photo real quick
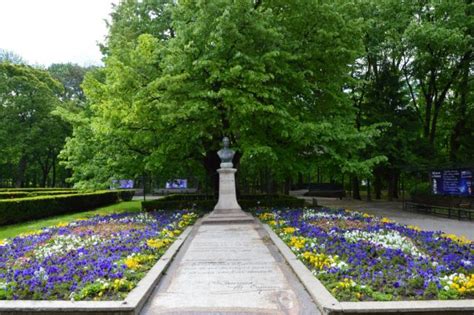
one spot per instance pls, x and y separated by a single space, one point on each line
269 75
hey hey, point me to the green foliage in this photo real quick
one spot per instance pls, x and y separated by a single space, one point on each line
13 194
22 209
36 189
24 194
30 135
172 87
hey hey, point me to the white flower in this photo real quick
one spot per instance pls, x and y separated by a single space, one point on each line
387 239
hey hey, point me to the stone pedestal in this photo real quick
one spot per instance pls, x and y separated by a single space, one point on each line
227 194
227 209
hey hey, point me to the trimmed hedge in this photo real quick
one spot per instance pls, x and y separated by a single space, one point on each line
37 189
207 202
24 209
26 194
13 194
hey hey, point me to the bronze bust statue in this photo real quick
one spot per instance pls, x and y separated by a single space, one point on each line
225 154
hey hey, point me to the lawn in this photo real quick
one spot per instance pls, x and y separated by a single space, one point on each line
17 229
98 258
359 257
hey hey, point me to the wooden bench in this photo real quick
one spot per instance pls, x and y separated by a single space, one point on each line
449 212
326 190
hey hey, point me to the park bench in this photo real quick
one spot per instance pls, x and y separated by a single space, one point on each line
169 191
326 190
444 211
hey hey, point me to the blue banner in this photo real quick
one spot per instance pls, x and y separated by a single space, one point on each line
452 182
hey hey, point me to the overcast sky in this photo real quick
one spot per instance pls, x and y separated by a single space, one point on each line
54 31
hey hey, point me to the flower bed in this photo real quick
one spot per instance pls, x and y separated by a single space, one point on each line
101 258
359 257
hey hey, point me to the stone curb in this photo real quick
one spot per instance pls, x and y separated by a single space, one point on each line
132 304
324 300
328 305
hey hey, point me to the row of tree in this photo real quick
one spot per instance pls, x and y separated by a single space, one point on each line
351 89
32 132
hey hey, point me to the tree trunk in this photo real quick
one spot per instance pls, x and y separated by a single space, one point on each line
394 175
21 169
355 188
369 193
53 184
378 184
300 181
287 185
460 126
211 163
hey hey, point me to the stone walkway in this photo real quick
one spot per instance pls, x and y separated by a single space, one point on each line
229 269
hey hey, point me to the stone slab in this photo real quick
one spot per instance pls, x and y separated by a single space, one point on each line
228 269
328 305
130 306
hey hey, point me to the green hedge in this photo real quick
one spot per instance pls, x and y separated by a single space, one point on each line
13 194
24 209
26 194
207 202
31 189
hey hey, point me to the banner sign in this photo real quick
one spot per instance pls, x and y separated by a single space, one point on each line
122 184
177 184
452 182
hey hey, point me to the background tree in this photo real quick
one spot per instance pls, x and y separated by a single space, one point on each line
27 97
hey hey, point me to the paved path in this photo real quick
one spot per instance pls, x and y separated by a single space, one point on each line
229 269
393 210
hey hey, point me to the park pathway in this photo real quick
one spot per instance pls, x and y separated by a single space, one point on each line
231 268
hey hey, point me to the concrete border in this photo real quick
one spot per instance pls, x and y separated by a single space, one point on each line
328 305
132 304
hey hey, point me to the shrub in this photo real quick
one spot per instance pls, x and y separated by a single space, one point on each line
207 202
23 209
421 189
33 189
25 194
126 195
13 194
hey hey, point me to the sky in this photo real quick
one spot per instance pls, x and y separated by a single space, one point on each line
43 32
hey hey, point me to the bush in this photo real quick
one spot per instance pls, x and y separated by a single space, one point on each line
23 209
26 194
33 189
207 202
421 189
126 195
13 194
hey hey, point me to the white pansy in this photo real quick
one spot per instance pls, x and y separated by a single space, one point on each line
313 214
65 243
387 239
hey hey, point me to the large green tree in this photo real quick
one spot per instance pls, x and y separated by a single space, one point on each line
269 75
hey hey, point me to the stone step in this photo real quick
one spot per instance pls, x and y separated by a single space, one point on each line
234 216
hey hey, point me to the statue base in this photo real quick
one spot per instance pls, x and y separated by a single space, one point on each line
227 209
227 194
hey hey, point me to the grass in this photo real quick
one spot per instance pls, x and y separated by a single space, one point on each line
16 229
